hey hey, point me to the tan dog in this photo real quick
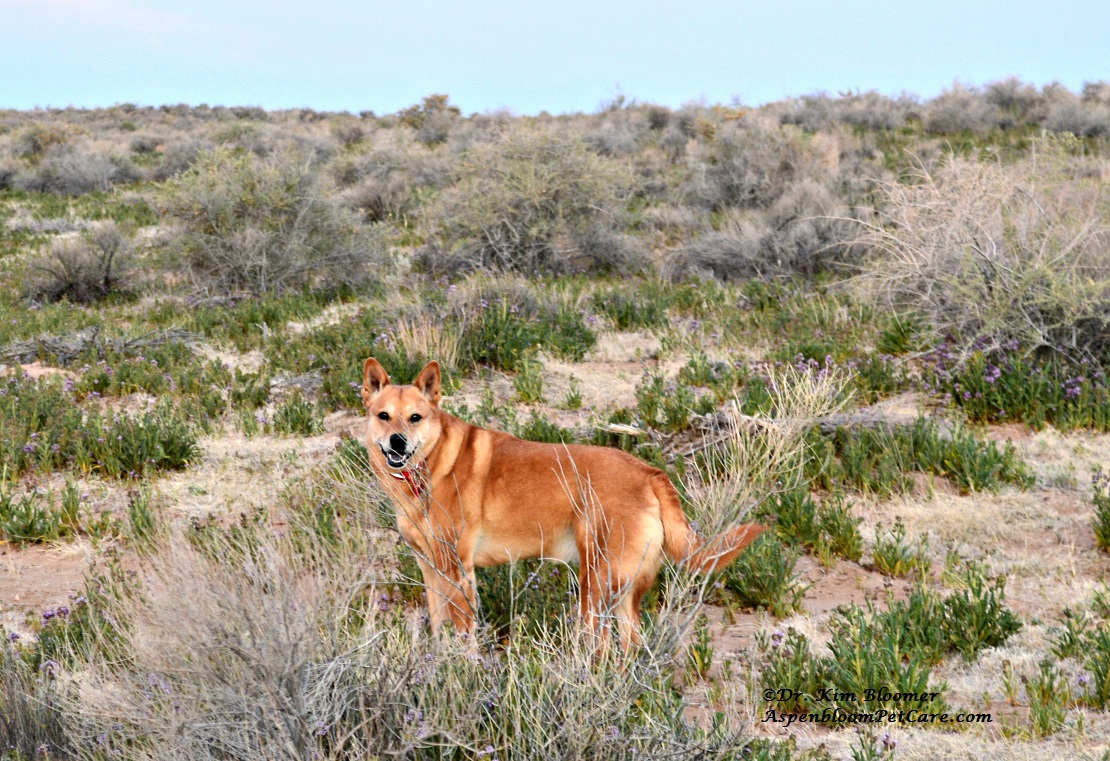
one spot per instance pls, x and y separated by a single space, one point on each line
468 497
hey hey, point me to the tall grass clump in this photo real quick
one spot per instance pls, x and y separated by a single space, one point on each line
263 225
533 202
751 466
297 662
997 255
32 722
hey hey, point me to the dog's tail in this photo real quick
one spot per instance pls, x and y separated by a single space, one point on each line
684 546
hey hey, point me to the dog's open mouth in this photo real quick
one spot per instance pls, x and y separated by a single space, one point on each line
394 459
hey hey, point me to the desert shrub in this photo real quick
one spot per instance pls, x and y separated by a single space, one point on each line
75 168
1079 117
533 202
747 168
146 143
618 132
432 119
960 109
260 225
388 184
870 110
83 269
180 153
1096 92
1019 102
36 139
992 255
9 164
806 231
347 132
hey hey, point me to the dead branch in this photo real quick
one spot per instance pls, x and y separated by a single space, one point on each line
65 349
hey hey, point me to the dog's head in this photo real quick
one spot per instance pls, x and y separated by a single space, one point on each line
402 422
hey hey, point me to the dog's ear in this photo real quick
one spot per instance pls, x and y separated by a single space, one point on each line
428 382
374 379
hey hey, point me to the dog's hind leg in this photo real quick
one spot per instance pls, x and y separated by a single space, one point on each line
639 565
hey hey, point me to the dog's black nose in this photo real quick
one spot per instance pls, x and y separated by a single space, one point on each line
398 443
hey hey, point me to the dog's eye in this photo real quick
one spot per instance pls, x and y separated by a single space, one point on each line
383 416
414 418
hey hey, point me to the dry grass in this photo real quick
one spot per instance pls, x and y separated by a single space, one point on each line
425 339
758 457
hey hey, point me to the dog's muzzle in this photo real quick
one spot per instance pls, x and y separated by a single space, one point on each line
398 452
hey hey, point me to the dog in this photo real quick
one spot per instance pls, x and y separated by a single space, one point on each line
467 497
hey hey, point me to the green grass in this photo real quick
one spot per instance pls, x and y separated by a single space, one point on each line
296 416
48 429
630 308
880 461
895 648
763 576
1100 500
894 557
1013 388
826 529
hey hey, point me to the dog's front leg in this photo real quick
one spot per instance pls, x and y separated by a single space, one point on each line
451 595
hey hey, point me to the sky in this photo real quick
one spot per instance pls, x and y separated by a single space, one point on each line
528 56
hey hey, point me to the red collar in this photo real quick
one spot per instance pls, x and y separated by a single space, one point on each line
414 479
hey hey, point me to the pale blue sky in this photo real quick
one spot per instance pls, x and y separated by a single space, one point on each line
530 56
